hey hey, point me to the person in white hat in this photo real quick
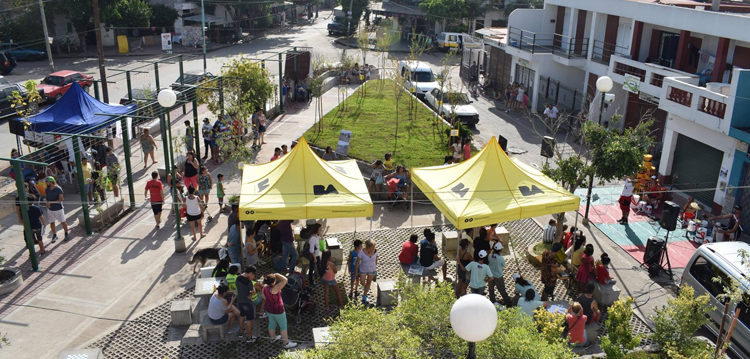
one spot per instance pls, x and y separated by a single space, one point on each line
625 197
497 264
479 273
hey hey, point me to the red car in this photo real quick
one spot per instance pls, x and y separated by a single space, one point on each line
57 84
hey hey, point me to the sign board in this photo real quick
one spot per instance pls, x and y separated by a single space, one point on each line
342 148
454 132
166 41
631 83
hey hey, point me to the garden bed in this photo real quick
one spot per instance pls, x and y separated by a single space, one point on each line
372 121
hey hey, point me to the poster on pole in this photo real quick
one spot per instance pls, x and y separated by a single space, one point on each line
166 41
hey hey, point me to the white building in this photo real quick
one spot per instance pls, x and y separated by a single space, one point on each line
666 51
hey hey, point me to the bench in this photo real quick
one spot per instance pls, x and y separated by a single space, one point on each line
209 329
81 353
504 236
606 294
192 335
181 312
321 336
386 293
337 253
450 243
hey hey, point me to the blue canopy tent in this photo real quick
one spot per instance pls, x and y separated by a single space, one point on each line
75 112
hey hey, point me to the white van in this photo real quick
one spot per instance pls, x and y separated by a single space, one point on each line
418 77
724 261
456 40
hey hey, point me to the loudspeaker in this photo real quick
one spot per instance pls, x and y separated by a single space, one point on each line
669 213
16 127
548 147
503 142
652 255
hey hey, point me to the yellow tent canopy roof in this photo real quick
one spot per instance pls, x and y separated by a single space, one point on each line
302 185
490 187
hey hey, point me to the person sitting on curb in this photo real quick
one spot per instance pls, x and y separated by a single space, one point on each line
428 255
221 310
589 304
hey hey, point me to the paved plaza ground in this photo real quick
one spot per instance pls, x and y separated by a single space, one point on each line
112 290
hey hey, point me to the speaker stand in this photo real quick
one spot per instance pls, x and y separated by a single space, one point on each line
665 255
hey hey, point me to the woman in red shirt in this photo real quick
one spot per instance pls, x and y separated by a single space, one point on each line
576 325
408 255
586 269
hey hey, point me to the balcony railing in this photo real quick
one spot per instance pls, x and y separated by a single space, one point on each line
701 105
603 51
557 44
651 76
623 69
712 107
680 96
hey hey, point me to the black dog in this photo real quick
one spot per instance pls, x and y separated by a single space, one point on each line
203 255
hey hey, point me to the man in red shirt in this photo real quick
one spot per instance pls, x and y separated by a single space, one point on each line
408 255
155 189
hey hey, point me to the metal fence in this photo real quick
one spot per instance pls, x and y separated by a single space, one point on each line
552 91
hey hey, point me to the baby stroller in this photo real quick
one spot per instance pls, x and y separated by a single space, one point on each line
296 295
396 192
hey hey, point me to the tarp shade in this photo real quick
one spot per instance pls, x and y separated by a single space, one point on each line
491 188
301 185
75 112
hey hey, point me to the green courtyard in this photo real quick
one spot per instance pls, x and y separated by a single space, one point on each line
372 121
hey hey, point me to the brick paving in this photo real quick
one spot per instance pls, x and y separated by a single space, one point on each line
150 334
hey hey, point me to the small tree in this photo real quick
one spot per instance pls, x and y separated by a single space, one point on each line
733 294
385 38
398 82
619 339
675 324
247 86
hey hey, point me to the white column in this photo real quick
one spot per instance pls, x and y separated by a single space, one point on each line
535 96
585 89
667 149
592 33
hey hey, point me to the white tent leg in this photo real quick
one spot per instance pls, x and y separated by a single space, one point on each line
371 221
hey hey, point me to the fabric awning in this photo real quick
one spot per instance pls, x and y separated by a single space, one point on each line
490 187
302 185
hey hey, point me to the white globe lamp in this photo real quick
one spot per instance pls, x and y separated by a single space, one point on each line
604 84
166 98
473 318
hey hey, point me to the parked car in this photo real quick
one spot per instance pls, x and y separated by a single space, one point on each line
453 102
455 40
7 63
22 53
339 27
55 85
723 261
418 77
143 94
6 91
185 89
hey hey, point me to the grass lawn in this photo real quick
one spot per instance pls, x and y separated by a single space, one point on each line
421 142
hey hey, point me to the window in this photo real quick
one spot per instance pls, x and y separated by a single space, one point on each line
703 271
77 77
453 38
423 76
68 80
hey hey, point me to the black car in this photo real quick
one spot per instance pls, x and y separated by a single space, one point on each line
6 91
139 95
185 85
340 27
7 63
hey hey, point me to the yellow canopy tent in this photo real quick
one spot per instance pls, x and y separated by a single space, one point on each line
491 188
302 185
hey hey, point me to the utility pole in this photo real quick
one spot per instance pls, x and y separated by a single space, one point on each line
100 52
46 38
349 16
203 34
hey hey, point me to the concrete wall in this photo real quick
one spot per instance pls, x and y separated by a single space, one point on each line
720 24
680 126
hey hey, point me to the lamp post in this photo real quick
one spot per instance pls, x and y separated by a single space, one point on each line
167 99
473 318
603 84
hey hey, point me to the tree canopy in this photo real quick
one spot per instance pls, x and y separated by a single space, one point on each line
358 7
126 13
415 330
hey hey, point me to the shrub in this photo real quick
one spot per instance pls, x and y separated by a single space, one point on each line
419 327
619 339
550 325
675 323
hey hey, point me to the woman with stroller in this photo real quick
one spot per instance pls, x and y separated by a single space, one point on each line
403 180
